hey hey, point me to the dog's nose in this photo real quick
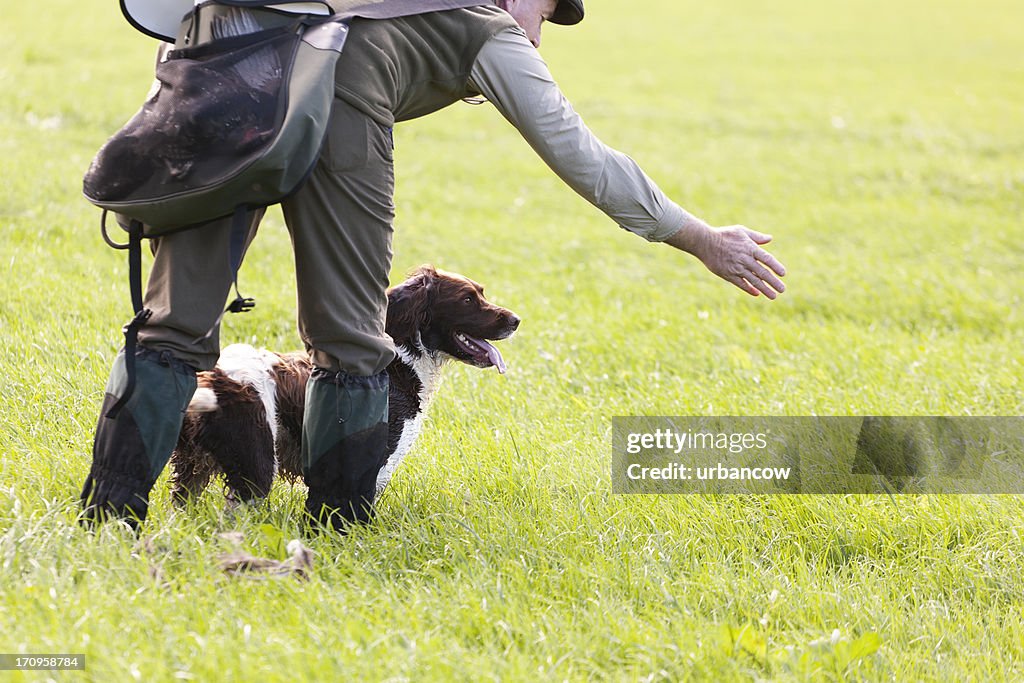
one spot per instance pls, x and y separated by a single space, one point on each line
513 321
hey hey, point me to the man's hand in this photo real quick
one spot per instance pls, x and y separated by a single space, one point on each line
734 254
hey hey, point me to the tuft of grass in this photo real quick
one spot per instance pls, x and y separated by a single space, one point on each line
880 144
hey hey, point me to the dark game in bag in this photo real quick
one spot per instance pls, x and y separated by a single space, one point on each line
239 114
237 120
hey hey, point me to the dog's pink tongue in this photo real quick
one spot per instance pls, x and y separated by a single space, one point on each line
496 359
492 354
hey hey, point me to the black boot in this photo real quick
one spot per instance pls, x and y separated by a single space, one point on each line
344 445
134 440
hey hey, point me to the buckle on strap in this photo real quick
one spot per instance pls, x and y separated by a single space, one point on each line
241 304
140 319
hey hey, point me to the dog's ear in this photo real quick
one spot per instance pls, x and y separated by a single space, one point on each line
409 306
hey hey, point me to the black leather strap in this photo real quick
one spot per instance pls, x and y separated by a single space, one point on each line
131 330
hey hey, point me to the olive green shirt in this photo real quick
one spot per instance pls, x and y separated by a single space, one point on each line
399 69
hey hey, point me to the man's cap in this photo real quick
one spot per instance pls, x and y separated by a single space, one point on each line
567 12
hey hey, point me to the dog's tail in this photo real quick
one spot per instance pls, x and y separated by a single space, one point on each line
203 401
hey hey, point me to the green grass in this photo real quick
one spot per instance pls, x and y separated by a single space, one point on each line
880 143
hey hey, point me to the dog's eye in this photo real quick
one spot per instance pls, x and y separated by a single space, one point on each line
467 300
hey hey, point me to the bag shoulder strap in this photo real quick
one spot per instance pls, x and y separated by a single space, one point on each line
142 314
392 9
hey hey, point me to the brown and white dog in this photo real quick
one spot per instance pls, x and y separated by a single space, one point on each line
245 419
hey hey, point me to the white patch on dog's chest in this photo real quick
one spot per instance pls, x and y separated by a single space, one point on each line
428 371
410 432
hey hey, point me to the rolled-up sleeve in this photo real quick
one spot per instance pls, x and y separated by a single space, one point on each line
512 75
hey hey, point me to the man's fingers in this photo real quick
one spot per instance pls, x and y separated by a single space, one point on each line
758 237
770 261
767 276
762 286
743 284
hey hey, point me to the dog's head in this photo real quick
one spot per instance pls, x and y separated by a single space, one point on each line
434 311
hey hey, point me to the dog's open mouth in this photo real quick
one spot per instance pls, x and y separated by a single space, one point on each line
482 353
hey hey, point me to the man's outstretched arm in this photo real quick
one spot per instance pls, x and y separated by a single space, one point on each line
511 74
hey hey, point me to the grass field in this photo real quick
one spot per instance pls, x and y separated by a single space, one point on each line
880 143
